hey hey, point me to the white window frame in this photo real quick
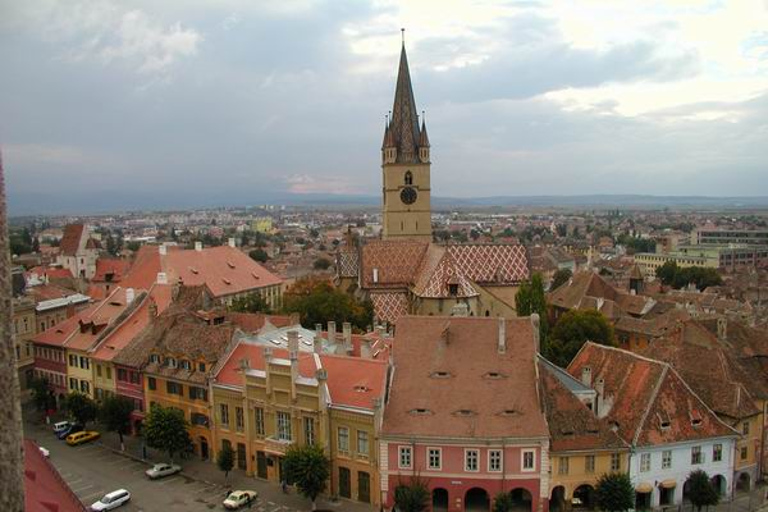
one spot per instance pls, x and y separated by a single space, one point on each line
363 453
309 430
259 420
439 452
343 449
666 459
284 428
467 451
717 452
696 450
500 454
523 469
645 462
404 450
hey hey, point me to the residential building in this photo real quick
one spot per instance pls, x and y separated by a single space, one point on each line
23 331
78 251
669 429
723 236
452 421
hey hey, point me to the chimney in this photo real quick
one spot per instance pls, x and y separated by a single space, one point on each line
502 341
722 329
365 348
332 332
536 326
198 246
268 355
318 329
347 336
293 343
317 343
600 388
321 374
244 364
293 354
375 275
130 294
232 242
586 376
152 308
163 250
381 332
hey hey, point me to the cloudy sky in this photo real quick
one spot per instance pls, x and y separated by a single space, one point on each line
193 102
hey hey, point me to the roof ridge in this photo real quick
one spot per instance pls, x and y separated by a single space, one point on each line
665 368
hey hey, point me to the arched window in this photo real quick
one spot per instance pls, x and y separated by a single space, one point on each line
408 178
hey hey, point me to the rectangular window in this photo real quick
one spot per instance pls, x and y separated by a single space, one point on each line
745 428
563 466
85 363
696 456
615 462
363 448
72 360
109 373
85 387
284 426
239 419
405 458
529 460
98 370
589 464
343 440
666 459
73 384
494 460
151 382
717 452
434 456
224 414
744 453
309 431
471 460
645 462
174 388
259 412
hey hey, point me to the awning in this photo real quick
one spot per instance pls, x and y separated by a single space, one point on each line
644 488
669 483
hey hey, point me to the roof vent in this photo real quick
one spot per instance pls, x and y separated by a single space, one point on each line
494 375
255 276
362 389
419 411
696 422
194 270
440 375
464 413
375 275
230 264
226 281
509 412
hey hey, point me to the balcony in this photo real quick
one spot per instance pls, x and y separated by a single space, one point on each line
276 446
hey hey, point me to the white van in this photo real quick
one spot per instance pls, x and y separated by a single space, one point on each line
112 500
60 426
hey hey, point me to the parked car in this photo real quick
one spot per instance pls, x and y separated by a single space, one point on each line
112 500
45 452
60 426
71 429
82 437
161 470
237 499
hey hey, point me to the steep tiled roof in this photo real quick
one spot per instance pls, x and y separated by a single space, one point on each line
646 399
354 381
438 391
438 272
96 323
404 126
44 489
396 262
49 272
389 306
110 266
590 290
70 242
252 322
491 263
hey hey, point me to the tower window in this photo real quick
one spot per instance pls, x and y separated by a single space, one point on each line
408 178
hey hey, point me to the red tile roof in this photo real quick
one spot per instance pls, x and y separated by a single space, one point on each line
70 242
146 265
49 272
396 262
438 391
354 381
106 266
44 489
253 322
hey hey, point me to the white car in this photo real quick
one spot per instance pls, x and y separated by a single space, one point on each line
237 499
112 500
45 452
60 426
161 470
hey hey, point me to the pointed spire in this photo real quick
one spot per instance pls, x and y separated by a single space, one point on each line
386 131
404 124
423 138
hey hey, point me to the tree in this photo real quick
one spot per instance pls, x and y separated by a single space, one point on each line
42 394
701 490
413 496
309 469
115 415
561 277
322 264
166 429
530 299
259 255
615 493
250 303
575 328
666 273
503 502
317 301
225 459
81 407
671 274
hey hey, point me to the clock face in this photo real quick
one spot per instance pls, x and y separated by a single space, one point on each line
408 195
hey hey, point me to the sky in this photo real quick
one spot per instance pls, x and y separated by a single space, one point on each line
137 103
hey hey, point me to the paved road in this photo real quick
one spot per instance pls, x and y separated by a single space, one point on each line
92 470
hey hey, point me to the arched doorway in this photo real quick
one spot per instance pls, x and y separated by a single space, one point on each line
439 499
522 499
719 483
203 448
744 482
477 499
687 492
583 497
557 499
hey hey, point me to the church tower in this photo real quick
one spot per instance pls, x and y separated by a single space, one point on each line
405 166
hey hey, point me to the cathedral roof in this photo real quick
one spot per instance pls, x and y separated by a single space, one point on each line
404 126
424 138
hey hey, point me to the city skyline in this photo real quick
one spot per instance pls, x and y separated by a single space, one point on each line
211 105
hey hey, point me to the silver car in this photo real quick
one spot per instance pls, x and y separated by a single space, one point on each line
161 470
112 500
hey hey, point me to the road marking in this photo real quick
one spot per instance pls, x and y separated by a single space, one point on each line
81 489
92 495
168 480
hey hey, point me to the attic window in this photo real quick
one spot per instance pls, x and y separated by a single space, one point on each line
453 290
465 413
696 422
59 331
665 424
419 411
493 375
255 276
185 364
193 270
170 362
230 264
440 375
509 412
115 303
362 389
226 281
154 358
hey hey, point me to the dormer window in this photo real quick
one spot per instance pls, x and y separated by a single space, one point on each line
154 358
201 367
464 413
696 422
440 375
453 290
185 364
170 362
493 375
420 411
508 412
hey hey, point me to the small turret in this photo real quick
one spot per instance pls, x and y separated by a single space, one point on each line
423 141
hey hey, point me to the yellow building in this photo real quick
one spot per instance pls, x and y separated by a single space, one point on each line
23 332
266 401
263 225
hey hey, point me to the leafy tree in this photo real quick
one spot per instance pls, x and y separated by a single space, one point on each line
503 502
701 490
133 246
81 407
412 497
615 493
166 429
42 394
666 273
575 328
251 303
309 469
225 459
671 274
259 255
530 299
322 264
317 301
561 277
115 415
